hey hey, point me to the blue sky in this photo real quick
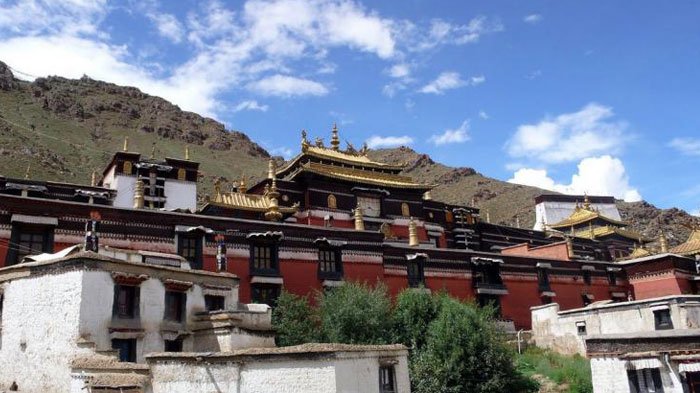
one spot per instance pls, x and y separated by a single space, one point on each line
597 97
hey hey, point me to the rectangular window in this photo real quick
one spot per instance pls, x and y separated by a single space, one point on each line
126 348
126 304
330 264
543 279
415 270
175 303
214 302
612 278
662 319
586 277
190 248
263 259
265 293
28 240
173 345
387 380
581 328
646 380
371 206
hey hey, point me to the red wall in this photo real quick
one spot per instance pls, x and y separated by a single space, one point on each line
663 286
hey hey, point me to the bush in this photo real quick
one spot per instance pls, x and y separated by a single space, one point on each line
295 320
356 314
466 352
413 313
574 371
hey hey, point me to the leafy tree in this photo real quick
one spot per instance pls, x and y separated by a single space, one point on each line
295 320
411 317
356 313
466 352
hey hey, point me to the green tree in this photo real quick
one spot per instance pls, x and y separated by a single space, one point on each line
356 313
466 352
411 317
294 320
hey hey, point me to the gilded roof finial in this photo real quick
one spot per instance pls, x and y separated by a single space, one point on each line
217 190
26 173
153 151
93 181
359 220
412 233
304 141
242 187
427 196
139 195
126 144
271 169
187 152
335 140
586 201
663 241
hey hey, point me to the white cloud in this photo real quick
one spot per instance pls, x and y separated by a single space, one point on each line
604 175
282 151
687 146
477 80
287 86
443 33
402 70
533 19
695 213
483 115
378 142
250 105
168 26
458 135
34 17
570 136
450 80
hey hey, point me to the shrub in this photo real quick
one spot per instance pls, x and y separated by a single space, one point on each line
412 314
295 320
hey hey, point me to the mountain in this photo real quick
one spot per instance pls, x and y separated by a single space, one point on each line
69 128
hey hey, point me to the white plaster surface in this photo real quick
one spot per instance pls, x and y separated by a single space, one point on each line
180 195
125 186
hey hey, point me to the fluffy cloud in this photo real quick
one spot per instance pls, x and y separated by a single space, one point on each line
450 80
533 19
695 213
458 135
570 136
483 115
401 70
687 146
168 26
378 142
287 86
441 32
604 175
250 105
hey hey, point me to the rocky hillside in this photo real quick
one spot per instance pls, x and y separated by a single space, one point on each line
68 128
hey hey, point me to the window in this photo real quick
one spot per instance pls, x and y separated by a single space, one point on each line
190 248
662 319
612 278
214 302
416 275
487 275
126 348
581 328
173 345
646 380
371 206
330 264
543 280
28 240
175 303
263 258
126 303
586 277
265 293
387 381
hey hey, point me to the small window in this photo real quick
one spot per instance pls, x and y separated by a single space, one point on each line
662 319
387 379
214 302
416 273
173 345
126 303
265 294
371 206
330 264
126 348
586 277
543 280
28 240
175 303
263 259
646 380
581 328
190 248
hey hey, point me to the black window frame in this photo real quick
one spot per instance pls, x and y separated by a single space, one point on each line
214 302
172 345
487 275
16 251
662 319
175 306
649 374
612 278
260 291
418 279
387 379
187 242
133 293
581 329
130 344
264 269
543 282
587 277
330 269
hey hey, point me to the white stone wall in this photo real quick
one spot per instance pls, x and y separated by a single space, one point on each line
39 332
362 375
125 186
610 376
180 194
290 377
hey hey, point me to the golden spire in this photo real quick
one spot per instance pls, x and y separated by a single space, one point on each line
126 144
590 229
335 140
663 241
153 151
488 216
271 169
304 141
359 220
427 196
586 201
217 190
93 181
242 187
412 233
517 222
26 173
273 212
138 195
187 152
569 247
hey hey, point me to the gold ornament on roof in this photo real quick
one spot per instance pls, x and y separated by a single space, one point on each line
319 142
187 152
126 144
271 168
304 141
93 180
335 140
242 186
359 219
26 173
412 233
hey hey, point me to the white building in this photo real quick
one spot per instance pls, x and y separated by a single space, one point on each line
650 345
122 321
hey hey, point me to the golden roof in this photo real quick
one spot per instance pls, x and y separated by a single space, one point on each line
691 246
250 202
639 252
362 176
583 215
607 231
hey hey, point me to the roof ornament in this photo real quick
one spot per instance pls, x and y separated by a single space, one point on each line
304 141
153 151
93 180
187 152
586 201
412 233
242 186
273 212
217 189
335 140
126 144
663 241
364 150
26 173
271 169
319 142
139 195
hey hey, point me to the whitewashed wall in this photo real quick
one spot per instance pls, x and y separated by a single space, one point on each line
125 186
180 194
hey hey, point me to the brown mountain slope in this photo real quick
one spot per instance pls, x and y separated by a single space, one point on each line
68 128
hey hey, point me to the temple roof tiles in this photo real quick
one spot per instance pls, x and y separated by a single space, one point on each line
608 230
583 215
250 202
361 176
691 246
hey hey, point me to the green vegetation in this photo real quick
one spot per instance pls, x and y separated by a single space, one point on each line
454 346
574 371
